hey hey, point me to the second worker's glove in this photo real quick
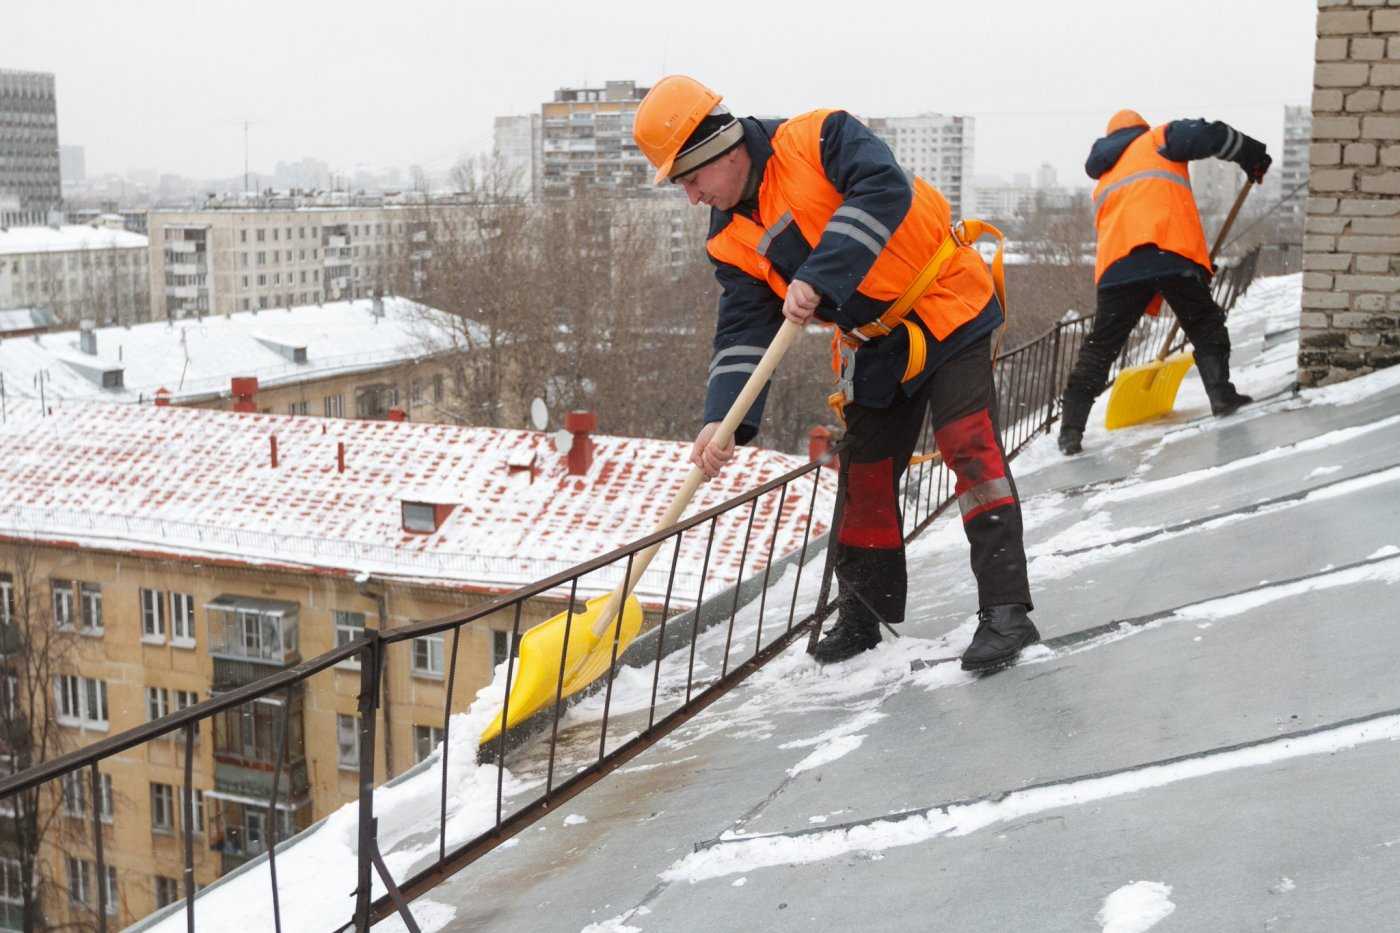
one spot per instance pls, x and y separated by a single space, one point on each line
1254 158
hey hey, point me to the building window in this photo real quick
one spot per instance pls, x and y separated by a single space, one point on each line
90 595
162 808
499 640
243 236
427 655
437 387
152 616
426 739
253 629
167 891
11 894
82 701
63 603
79 880
347 733
111 889
348 626
250 735
196 805
420 517
182 620
157 703
335 404
7 599
261 235
7 804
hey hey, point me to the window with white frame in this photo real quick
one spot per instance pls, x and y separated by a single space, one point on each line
347 733
334 405
197 806
348 626
162 808
185 698
90 600
7 768
427 655
167 891
426 739
152 615
75 786
182 620
157 703
11 894
62 603
79 879
82 701
9 697
7 599
111 889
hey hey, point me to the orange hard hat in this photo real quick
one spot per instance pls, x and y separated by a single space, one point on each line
1122 120
667 116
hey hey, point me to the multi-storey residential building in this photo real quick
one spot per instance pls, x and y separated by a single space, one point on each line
1293 173
222 259
369 359
72 164
30 184
938 148
185 553
586 142
76 273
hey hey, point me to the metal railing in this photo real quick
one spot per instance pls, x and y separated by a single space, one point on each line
1030 379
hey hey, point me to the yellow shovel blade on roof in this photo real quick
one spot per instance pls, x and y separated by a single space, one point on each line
535 683
1141 393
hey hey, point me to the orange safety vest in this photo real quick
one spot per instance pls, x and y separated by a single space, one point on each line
795 190
1146 198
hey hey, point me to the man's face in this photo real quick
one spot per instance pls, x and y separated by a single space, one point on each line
720 183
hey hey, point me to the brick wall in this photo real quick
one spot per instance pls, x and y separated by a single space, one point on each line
1350 321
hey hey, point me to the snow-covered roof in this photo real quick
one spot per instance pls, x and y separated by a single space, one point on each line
24 319
196 358
200 483
67 238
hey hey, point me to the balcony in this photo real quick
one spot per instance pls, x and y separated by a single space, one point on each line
262 631
183 246
185 268
182 291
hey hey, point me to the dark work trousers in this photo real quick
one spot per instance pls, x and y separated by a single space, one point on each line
870 567
1119 309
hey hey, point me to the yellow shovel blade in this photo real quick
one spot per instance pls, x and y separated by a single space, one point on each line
535 682
1141 393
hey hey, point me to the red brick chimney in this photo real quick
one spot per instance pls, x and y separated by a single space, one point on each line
162 397
818 443
244 390
580 424
397 414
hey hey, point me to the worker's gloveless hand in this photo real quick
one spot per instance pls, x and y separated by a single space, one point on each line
709 458
1253 158
801 302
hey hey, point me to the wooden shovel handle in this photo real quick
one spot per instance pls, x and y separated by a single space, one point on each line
1219 240
787 334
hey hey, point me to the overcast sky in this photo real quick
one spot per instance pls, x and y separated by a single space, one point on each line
149 84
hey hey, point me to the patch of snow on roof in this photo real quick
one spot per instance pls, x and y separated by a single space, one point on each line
67 238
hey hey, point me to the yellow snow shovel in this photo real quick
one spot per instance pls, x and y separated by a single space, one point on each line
1141 393
591 633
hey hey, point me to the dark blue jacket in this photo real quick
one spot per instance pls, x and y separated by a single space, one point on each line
1187 140
864 170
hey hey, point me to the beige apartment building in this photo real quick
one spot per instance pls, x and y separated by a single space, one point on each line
222 259
174 554
75 272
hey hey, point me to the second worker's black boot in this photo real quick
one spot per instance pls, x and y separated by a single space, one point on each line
1074 415
1002 631
847 638
1225 399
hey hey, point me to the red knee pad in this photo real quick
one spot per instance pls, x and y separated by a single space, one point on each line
869 518
969 446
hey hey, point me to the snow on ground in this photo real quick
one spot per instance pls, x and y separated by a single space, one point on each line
1136 907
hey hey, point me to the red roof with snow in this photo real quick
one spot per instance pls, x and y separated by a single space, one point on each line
200 483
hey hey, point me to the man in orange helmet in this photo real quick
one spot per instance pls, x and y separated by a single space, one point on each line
812 219
1150 243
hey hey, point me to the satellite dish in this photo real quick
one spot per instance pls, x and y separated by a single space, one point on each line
539 415
563 441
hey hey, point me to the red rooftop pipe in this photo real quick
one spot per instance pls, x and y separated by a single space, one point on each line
397 414
580 424
162 397
340 456
244 389
273 439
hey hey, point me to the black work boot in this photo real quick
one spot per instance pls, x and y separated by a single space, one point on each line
1002 631
1215 376
1074 414
847 638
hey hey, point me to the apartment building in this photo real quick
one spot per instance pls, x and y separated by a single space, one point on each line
30 185
938 148
1293 172
181 553
221 259
517 146
75 272
369 359
586 142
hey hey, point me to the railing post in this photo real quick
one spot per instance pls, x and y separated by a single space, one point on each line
1054 379
371 656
